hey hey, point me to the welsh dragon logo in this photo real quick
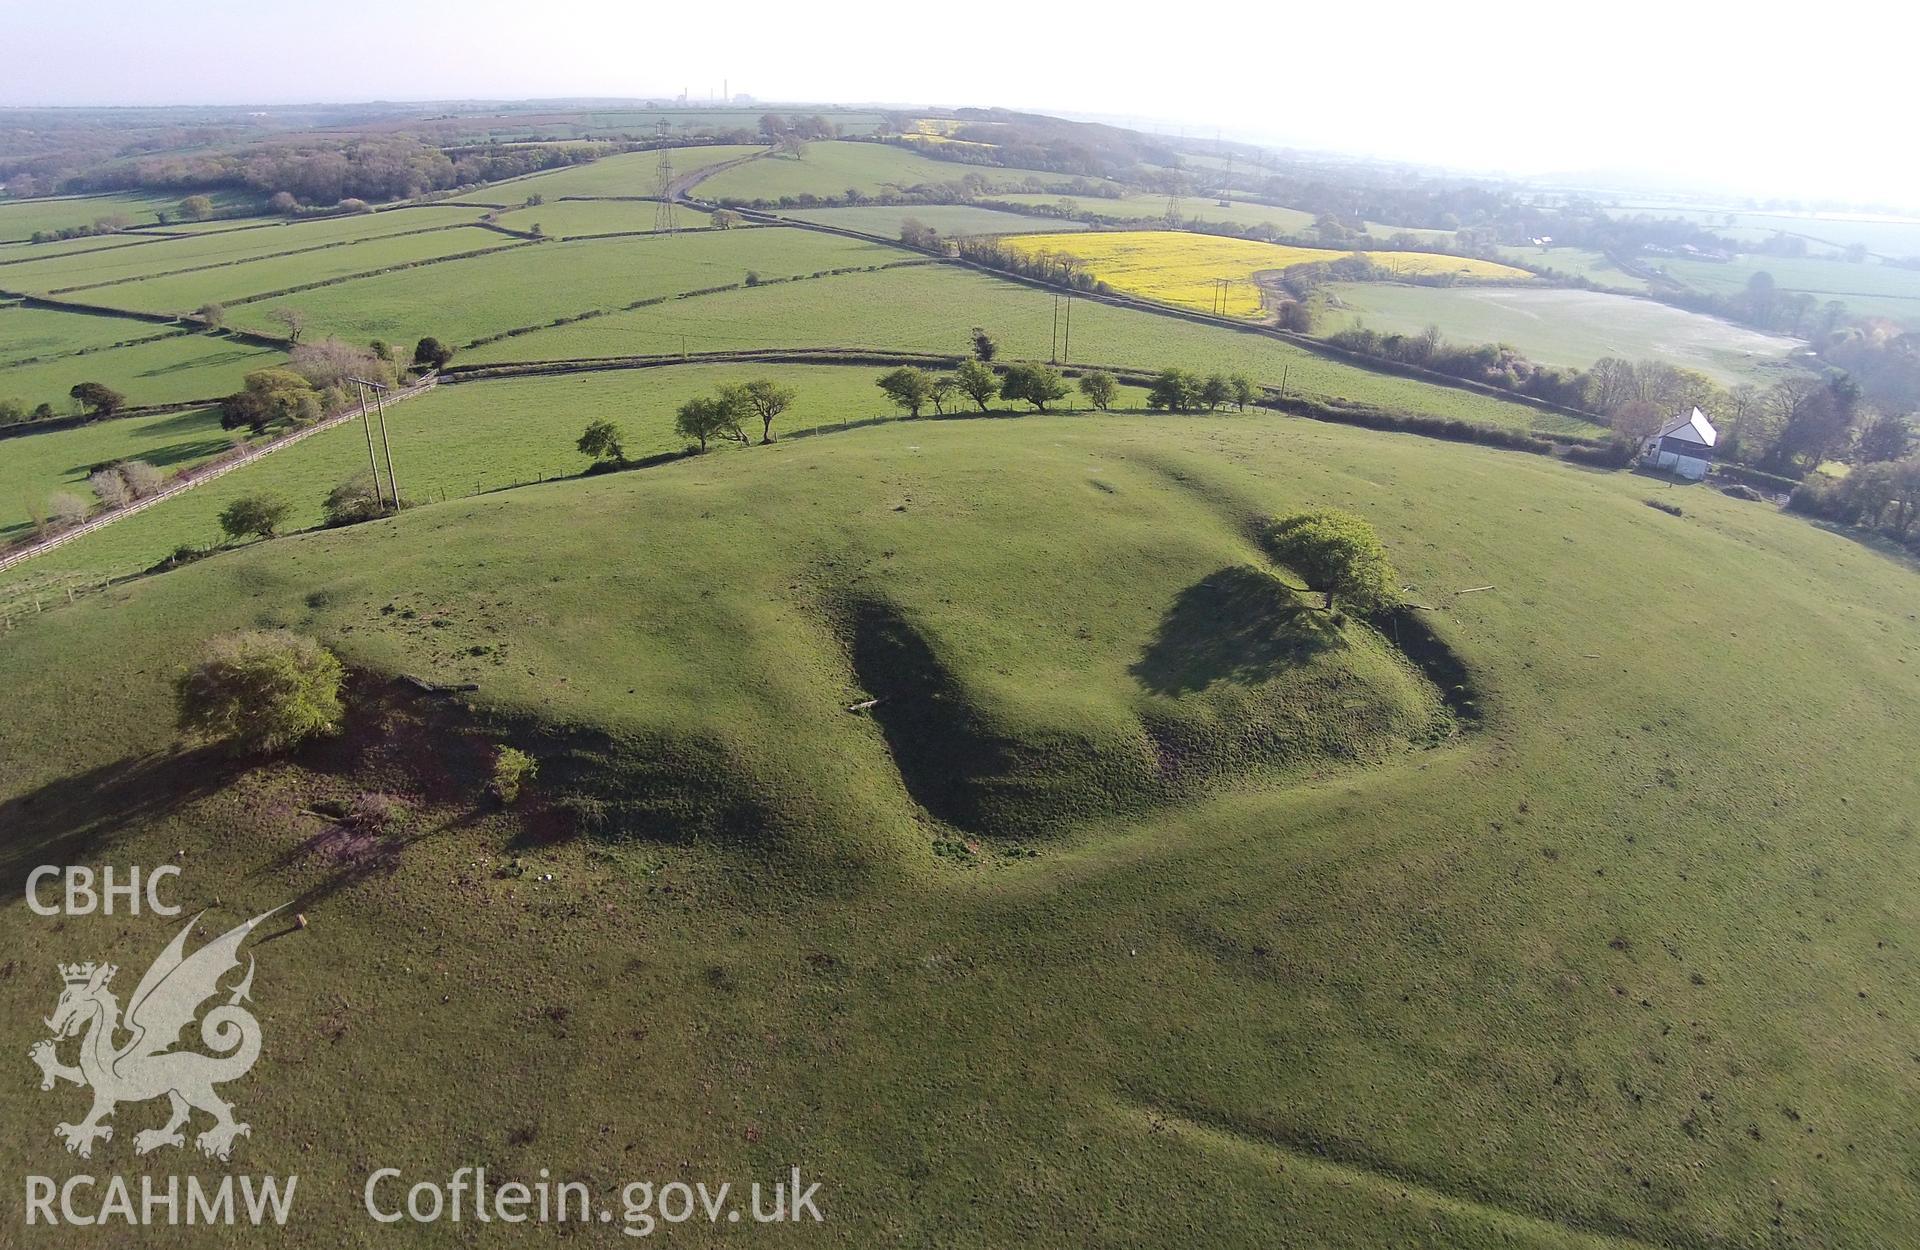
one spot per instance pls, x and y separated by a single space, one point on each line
147 1066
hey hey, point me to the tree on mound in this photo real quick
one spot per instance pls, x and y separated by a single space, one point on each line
260 692
1339 555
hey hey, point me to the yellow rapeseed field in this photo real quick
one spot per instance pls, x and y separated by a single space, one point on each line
1176 267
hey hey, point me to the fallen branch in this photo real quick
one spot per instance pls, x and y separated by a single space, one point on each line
861 707
1472 590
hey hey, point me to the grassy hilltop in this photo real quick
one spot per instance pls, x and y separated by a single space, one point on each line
1143 901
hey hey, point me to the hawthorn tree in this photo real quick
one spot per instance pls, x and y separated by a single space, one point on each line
1175 390
1099 388
1338 554
261 691
1039 385
705 417
292 318
766 399
908 387
253 515
985 348
431 353
603 441
97 399
978 381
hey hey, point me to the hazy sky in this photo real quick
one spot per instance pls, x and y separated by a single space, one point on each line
1780 101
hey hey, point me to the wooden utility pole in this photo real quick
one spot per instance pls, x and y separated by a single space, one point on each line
364 385
366 423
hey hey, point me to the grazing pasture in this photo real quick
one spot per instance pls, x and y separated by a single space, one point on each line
21 219
42 333
1193 209
1881 234
1576 262
1182 269
231 284
1867 288
454 441
569 219
932 308
1299 957
34 466
953 221
92 270
1566 327
830 169
534 283
628 174
170 370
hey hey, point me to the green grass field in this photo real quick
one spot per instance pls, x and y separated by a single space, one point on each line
169 370
39 333
1867 289
1577 262
932 308
953 221
831 169
630 173
232 284
338 235
531 284
1566 327
458 440
1144 901
566 219
1193 208
34 466
1881 234
21 219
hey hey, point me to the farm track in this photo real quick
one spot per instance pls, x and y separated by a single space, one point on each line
205 474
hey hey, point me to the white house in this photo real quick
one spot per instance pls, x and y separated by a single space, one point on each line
1683 446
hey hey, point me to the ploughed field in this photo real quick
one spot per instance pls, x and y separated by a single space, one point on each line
1148 896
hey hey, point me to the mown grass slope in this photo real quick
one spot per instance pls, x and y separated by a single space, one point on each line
1620 967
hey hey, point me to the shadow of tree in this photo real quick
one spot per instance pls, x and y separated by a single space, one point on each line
1237 624
66 821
